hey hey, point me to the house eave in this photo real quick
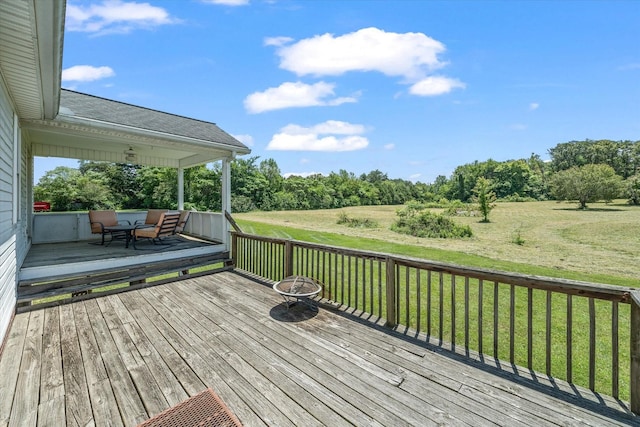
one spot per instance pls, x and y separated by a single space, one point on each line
31 40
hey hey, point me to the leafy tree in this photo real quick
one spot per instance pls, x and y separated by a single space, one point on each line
586 184
159 187
122 180
622 156
248 181
67 189
633 189
484 197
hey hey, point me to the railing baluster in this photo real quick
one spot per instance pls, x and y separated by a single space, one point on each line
391 292
407 296
592 344
548 335
355 293
615 358
453 311
342 281
495 320
418 299
569 338
364 284
466 315
379 288
349 280
429 311
530 328
480 311
512 325
441 308
371 286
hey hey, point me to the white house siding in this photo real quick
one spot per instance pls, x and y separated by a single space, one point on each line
8 230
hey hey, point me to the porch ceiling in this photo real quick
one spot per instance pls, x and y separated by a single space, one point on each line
76 141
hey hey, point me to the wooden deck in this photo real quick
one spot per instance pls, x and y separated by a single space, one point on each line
120 359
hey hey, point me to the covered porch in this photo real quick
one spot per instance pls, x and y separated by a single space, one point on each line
121 359
97 129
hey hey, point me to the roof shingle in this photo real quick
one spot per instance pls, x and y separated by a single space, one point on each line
93 107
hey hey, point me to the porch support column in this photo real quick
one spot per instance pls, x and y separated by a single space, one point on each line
226 198
180 188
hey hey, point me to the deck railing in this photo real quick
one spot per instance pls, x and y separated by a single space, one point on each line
585 333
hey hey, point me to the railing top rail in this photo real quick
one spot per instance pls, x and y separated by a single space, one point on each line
565 286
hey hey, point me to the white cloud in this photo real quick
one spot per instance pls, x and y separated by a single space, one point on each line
331 136
409 55
414 177
294 94
86 73
228 2
115 16
534 106
518 126
277 41
389 146
435 85
245 139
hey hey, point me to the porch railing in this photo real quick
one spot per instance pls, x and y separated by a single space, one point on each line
53 227
584 333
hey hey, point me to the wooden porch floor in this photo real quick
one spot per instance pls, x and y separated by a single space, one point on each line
120 359
46 254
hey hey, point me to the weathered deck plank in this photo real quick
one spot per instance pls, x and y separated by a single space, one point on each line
123 358
25 401
77 404
9 366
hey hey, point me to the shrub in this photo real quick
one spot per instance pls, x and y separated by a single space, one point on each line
517 238
344 219
458 208
428 224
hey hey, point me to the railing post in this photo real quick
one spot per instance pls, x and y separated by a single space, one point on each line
390 287
635 352
288 258
234 250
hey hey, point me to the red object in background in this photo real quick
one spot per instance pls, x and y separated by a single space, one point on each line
41 206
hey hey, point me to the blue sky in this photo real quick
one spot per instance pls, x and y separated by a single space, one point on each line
412 88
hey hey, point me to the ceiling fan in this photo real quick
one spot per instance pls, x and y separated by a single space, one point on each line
130 155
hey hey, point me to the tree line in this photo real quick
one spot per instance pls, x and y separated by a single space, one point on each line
259 184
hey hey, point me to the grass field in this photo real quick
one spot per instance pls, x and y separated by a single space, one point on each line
600 244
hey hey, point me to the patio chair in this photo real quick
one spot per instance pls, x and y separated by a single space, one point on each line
101 219
153 216
166 226
184 217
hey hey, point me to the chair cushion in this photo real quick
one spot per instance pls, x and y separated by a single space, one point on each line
153 216
107 218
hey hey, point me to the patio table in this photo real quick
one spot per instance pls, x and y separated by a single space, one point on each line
124 230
